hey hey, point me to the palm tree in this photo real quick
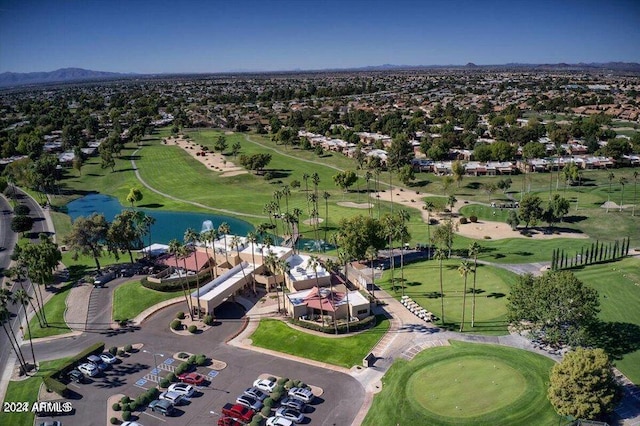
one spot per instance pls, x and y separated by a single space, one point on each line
223 230
314 262
429 207
192 237
296 217
252 238
326 196
175 248
313 213
610 176
315 177
207 237
371 254
277 196
270 261
23 298
464 270
367 176
452 201
17 275
623 181
474 249
390 229
5 315
305 178
440 255
343 258
635 183
283 268
403 235
236 243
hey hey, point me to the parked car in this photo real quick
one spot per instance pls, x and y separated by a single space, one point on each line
229 421
290 414
75 375
101 280
279 421
161 406
172 397
265 385
238 411
304 395
130 424
182 389
192 378
256 393
98 362
51 423
88 369
292 402
107 358
249 402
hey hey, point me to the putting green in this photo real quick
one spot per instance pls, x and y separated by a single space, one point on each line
443 387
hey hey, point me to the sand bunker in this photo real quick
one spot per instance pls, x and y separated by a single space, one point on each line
212 160
353 205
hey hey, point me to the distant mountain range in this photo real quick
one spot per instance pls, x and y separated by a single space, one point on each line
66 75
8 79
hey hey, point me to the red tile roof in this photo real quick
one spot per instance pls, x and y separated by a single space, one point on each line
190 261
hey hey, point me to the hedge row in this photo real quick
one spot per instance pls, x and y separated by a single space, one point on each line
51 380
342 328
170 286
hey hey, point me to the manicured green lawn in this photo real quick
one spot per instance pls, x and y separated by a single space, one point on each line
422 284
344 351
618 285
131 298
465 383
54 312
27 390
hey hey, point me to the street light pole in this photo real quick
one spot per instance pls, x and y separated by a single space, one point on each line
155 360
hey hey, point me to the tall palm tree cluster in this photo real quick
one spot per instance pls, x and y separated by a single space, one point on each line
36 262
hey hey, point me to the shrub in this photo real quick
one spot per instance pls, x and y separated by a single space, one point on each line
192 328
269 402
473 219
296 383
180 315
114 420
208 319
54 385
175 324
164 383
125 399
256 421
123 322
172 377
276 395
113 350
120 352
268 176
182 368
133 406
116 407
183 355
463 220
128 348
266 411
192 359
486 237
282 380
201 360
126 416
139 401
289 384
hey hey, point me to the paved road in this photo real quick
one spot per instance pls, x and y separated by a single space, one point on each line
7 242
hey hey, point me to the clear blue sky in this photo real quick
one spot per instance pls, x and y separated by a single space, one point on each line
212 36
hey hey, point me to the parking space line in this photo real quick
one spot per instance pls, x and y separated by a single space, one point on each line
141 387
155 417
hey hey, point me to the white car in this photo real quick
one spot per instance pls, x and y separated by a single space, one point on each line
290 414
249 402
88 369
279 421
182 389
256 393
304 395
130 424
265 385
173 397
108 358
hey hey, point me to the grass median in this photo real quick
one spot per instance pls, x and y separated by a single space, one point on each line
342 351
54 313
27 391
131 299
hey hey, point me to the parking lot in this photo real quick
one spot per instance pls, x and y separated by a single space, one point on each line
338 405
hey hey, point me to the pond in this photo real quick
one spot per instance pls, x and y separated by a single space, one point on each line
169 224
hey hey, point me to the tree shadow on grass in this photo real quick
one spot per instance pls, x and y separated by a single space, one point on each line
616 338
151 206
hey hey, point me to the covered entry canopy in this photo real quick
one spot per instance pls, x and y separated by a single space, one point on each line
218 290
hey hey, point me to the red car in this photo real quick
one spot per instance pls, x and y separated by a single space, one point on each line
192 378
229 421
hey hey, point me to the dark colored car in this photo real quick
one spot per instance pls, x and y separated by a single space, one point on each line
161 406
75 376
